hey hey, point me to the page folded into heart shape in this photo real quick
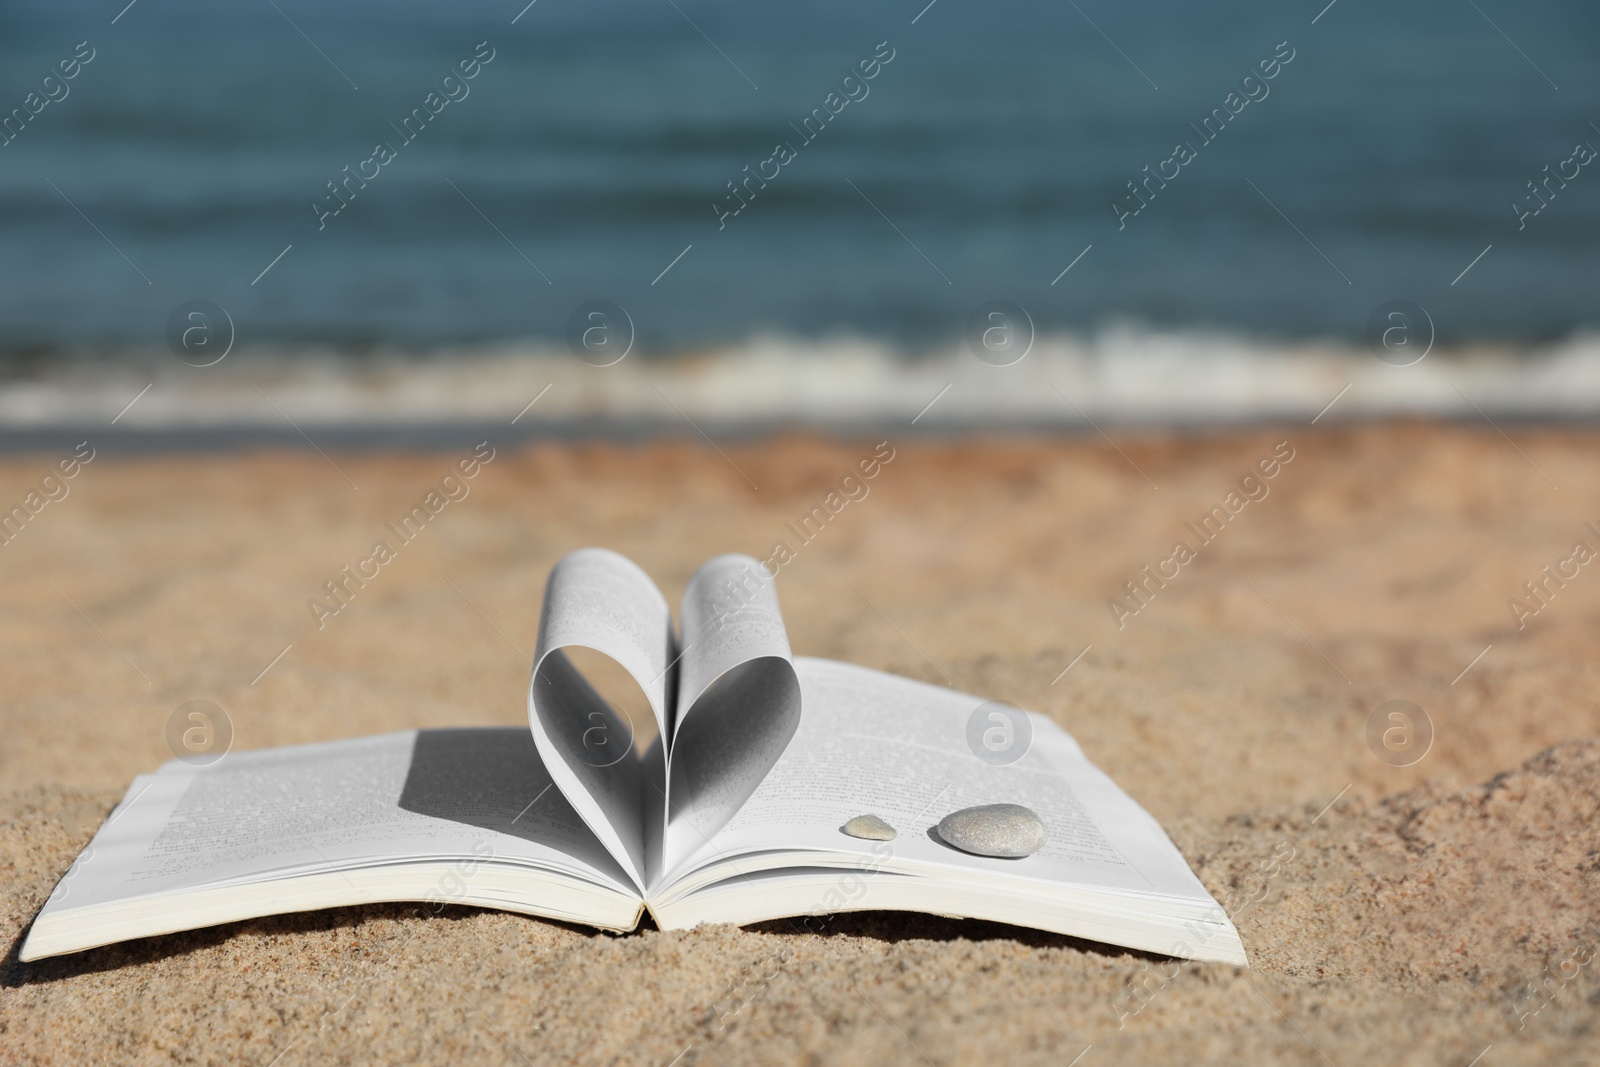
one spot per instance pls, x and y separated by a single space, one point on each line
724 704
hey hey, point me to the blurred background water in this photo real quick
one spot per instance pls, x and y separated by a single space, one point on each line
601 134
589 158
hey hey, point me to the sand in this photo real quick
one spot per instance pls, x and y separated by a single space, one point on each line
1393 914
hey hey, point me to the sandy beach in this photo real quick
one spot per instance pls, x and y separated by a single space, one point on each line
1393 913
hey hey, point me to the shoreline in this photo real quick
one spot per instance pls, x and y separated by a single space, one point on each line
1048 383
360 438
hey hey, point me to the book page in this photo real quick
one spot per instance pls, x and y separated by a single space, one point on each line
395 798
874 743
596 599
738 698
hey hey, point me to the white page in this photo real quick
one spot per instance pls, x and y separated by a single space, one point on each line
738 698
402 797
598 599
876 743
730 616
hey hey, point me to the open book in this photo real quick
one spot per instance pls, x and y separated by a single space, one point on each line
717 795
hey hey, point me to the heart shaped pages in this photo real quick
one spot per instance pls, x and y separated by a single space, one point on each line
725 702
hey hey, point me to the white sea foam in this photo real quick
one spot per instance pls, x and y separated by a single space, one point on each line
1120 376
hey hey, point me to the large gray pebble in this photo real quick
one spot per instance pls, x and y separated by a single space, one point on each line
1009 831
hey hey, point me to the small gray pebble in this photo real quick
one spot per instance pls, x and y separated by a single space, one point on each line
1009 831
869 828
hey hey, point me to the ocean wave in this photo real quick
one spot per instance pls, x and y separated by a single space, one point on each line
1123 375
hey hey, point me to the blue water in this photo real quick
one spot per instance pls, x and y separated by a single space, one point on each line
985 157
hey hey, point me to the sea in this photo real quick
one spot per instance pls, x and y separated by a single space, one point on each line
1186 211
